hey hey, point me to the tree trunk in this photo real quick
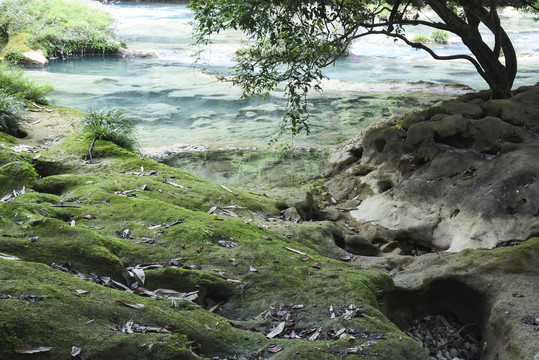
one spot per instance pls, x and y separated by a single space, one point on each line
498 76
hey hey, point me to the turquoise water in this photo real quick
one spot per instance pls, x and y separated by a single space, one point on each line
175 103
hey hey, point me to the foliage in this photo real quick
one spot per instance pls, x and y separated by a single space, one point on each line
440 36
14 56
14 81
421 38
112 125
312 34
11 119
62 27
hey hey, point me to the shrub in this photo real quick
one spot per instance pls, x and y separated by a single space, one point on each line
14 81
14 56
11 119
61 27
112 125
421 38
440 36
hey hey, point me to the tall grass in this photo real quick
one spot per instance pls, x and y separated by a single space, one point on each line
14 81
62 27
110 124
11 119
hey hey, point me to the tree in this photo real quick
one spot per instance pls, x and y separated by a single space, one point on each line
291 41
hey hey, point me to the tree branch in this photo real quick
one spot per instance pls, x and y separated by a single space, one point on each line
432 53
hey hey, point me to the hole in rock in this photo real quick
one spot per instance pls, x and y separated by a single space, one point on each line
357 152
339 240
385 185
446 317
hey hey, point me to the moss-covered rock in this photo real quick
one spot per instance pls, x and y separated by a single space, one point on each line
16 175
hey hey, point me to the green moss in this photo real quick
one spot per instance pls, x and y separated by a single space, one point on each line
16 175
101 218
18 43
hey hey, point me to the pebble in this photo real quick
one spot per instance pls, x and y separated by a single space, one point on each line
445 338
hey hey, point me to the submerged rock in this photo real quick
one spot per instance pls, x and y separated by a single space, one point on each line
456 176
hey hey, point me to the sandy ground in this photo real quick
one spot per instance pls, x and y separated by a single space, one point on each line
45 126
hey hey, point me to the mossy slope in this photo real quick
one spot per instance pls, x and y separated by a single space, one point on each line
97 219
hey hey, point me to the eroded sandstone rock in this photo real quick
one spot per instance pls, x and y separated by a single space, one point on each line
456 176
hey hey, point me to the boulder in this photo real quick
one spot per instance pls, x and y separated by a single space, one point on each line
459 175
35 57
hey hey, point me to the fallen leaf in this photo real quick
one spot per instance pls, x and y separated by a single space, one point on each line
219 218
27 349
253 269
316 334
295 251
80 292
75 351
276 331
274 349
132 304
317 265
266 237
176 222
140 274
227 244
227 189
31 298
304 258
8 257
518 295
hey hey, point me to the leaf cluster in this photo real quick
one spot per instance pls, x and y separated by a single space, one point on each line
111 124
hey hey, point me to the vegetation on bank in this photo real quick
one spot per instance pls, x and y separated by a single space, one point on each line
15 82
16 88
58 27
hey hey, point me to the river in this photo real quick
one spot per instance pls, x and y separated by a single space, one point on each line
178 105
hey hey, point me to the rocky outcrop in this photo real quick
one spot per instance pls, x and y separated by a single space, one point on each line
459 175
35 57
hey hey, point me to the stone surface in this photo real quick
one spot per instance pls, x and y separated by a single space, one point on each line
456 176
36 57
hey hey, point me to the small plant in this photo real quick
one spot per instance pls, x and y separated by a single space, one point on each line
15 57
440 36
11 119
420 38
110 124
14 81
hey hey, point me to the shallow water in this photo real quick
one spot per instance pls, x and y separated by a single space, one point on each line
176 103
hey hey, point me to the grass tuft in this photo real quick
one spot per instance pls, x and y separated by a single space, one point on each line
110 124
15 82
11 119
